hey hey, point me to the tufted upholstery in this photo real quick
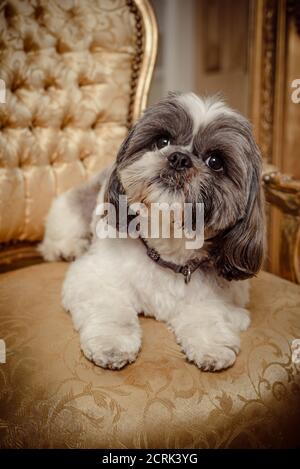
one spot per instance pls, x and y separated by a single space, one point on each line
52 396
67 67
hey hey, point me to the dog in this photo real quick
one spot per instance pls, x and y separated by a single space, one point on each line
183 149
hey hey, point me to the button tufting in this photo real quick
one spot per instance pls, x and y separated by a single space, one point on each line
94 124
39 12
44 96
65 122
72 13
9 11
29 44
84 154
17 83
49 82
61 47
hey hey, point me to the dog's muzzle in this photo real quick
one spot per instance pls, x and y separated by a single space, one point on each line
179 161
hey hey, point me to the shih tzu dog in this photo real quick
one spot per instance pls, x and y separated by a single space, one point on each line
183 149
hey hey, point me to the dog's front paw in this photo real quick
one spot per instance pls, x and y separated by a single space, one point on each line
68 250
210 353
113 351
213 359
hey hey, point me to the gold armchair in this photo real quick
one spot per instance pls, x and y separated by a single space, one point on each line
50 395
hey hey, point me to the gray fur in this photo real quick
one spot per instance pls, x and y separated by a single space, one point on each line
84 197
234 214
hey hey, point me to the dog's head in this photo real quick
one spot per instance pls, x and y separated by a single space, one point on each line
188 149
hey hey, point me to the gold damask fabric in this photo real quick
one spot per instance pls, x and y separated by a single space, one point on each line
53 397
67 69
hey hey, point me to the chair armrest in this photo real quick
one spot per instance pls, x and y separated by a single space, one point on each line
283 192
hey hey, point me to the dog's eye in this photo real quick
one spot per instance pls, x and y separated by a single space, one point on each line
162 141
215 162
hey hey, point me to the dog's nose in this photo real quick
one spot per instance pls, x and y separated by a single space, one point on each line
180 161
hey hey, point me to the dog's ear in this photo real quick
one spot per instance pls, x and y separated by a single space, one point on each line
114 188
174 94
239 250
124 146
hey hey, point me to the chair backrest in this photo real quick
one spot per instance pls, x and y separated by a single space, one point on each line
76 74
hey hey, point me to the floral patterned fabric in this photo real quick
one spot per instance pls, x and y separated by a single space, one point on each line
51 396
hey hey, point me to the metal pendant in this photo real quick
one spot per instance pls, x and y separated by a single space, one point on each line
187 275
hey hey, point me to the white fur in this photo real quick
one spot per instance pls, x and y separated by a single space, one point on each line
203 110
115 280
66 235
134 180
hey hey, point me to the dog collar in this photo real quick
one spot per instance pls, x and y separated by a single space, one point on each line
186 270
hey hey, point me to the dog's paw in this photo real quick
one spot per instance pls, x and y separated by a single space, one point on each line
209 354
63 249
218 358
113 352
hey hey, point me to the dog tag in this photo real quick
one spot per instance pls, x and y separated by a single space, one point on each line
187 275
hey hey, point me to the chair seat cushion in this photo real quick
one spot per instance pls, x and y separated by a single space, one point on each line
51 396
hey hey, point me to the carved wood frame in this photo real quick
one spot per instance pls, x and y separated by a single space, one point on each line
267 46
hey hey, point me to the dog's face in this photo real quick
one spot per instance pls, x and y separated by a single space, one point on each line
185 149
